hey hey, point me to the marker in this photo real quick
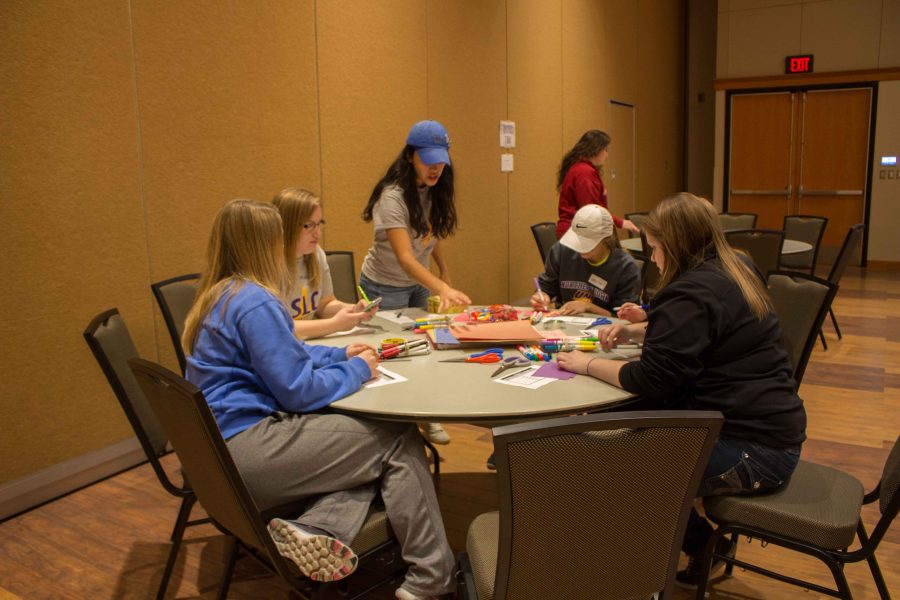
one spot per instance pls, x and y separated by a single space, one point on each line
537 287
642 307
362 293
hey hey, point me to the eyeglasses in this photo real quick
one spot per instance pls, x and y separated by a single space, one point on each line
313 225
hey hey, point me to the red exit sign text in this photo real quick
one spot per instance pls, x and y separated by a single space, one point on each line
798 64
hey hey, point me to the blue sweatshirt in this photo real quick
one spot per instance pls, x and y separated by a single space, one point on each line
249 364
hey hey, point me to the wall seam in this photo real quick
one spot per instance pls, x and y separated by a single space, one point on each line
322 193
141 179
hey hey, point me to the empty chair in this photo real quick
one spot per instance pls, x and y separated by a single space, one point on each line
592 506
175 298
343 275
848 248
735 220
763 246
545 236
809 229
109 340
184 414
638 219
801 302
817 513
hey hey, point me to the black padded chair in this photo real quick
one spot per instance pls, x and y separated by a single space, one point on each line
801 302
592 506
763 246
638 219
192 429
817 512
109 340
175 297
343 275
809 229
736 220
545 236
847 251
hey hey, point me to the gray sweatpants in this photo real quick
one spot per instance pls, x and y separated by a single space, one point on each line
341 462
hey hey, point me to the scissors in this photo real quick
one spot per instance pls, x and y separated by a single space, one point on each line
491 355
512 362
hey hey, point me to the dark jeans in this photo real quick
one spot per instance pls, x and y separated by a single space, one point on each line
393 297
738 467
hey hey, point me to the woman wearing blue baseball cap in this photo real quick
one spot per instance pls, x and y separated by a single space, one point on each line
412 210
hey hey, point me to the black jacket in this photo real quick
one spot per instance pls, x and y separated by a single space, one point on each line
704 349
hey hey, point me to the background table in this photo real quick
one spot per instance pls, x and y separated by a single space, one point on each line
465 392
789 246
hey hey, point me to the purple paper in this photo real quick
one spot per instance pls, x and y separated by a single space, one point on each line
551 369
443 336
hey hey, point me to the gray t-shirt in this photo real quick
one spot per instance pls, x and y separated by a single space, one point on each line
303 301
390 212
567 276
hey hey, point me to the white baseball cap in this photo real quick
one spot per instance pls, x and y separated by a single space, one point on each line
590 225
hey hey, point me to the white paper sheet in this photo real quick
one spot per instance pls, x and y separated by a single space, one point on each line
526 379
394 316
385 378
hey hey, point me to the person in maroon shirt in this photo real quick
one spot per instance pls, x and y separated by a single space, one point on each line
579 181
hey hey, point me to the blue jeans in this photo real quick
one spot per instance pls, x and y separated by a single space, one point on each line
738 467
393 297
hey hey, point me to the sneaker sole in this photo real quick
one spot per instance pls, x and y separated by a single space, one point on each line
320 557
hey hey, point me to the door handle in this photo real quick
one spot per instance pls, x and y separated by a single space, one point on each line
830 192
783 192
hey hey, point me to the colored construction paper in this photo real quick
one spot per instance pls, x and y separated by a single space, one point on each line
551 369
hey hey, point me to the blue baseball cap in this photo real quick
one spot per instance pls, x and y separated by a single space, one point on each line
431 141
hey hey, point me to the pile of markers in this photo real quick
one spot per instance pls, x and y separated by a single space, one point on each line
585 344
423 324
534 352
397 347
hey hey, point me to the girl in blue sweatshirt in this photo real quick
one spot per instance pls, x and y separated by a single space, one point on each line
264 387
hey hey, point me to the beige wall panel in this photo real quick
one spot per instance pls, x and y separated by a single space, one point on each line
660 102
585 69
228 110
889 54
71 224
467 93
885 210
535 103
842 34
227 98
372 88
751 4
623 45
722 44
759 39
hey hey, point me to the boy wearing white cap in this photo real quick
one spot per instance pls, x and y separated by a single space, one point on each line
586 271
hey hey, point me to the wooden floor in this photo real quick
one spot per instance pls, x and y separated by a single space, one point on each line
110 540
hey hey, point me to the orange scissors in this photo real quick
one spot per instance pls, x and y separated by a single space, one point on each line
491 355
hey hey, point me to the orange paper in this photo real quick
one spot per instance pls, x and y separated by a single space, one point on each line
504 331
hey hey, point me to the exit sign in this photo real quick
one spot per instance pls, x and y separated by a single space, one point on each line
802 63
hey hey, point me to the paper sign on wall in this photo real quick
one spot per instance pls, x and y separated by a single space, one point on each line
507 134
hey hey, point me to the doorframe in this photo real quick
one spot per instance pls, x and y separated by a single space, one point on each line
872 85
634 182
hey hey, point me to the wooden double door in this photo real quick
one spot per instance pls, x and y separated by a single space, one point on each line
801 152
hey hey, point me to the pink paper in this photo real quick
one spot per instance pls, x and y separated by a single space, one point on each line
551 369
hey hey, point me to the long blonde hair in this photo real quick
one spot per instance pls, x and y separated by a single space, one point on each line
296 206
244 245
688 231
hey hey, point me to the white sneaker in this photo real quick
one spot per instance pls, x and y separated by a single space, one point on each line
402 594
436 434
320 557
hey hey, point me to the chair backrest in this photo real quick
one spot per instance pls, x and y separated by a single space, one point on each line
735 220
801 302
109 340
889 488
545 236
851 241
195 436
763 246
809 229
175 298
343 275
638 219
581 497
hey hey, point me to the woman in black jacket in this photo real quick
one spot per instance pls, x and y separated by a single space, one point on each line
711 342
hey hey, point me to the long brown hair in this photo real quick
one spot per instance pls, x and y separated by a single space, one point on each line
244 245
590 144
688 230
296 206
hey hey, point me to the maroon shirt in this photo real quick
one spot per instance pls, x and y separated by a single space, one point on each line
581 186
